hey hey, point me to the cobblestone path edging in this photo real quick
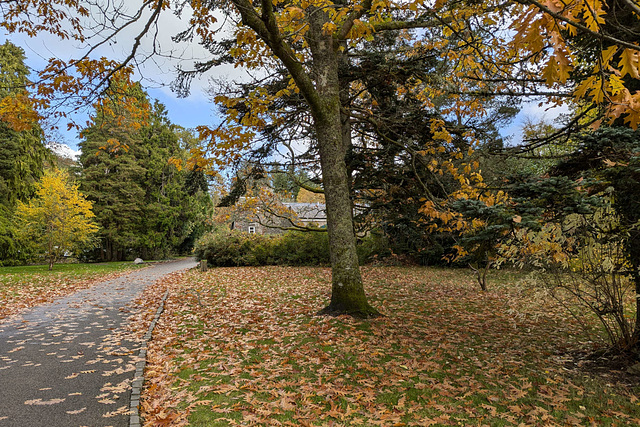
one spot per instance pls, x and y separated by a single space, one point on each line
138 379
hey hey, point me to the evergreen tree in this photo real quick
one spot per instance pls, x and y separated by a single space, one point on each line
609 157
144 204
171 195
22 153
113 181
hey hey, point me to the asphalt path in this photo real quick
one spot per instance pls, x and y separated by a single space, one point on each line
71 362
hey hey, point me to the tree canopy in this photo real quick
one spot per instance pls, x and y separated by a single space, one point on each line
58 219
22 152
144 204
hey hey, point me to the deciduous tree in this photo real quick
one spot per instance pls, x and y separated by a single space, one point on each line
58 219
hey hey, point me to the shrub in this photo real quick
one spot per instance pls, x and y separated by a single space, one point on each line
373 247
235 248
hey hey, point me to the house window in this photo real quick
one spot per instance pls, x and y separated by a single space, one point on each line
252 229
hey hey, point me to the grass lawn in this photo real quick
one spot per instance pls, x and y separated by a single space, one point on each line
27 286
242 346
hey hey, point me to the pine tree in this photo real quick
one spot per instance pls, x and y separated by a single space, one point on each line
144 204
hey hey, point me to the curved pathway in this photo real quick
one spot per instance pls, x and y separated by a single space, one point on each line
71 362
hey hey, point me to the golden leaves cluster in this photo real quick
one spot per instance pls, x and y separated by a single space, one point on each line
18 111
545 34
61 18
123 110
220 145
73 82
58 218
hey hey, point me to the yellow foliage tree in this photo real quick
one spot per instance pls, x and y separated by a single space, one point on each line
58 218
306 196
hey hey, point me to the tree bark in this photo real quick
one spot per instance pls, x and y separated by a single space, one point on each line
635 339
347 293
50 246
321 90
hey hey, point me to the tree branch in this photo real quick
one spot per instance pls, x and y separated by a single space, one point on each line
406 25
579 26
356 14
633 5
266 28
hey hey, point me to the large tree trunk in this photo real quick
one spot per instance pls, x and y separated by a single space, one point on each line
321 89
347 293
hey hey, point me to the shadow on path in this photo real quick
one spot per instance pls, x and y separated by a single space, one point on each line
71 362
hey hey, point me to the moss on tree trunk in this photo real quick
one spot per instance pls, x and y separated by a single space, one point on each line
320 87
347 293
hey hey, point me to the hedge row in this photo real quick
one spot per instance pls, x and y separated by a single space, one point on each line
235 248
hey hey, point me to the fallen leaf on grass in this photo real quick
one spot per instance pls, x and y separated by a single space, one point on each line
249 336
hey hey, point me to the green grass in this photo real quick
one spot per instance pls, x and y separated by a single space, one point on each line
73 269
27 286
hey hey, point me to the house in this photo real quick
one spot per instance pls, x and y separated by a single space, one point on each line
276 219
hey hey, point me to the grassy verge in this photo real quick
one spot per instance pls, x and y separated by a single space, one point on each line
242 347
27 286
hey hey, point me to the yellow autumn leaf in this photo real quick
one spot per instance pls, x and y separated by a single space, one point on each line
584 87
629 63
616 85
593 14
549 73
329 28
607 54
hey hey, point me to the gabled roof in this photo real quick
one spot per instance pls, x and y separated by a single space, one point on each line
308 211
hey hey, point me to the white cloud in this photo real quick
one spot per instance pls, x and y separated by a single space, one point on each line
157 60
531 111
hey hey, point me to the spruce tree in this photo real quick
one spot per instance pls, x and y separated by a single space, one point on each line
146 207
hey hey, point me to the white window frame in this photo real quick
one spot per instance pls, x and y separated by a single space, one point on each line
252 229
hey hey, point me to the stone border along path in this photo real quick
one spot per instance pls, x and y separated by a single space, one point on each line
138 379
73 362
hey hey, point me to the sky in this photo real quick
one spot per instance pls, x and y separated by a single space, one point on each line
189 112
531 111
156 75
